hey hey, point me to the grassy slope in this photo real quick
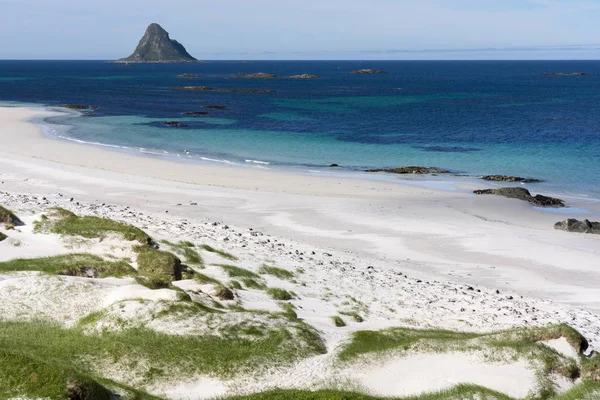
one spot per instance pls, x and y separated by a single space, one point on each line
64 222
69 264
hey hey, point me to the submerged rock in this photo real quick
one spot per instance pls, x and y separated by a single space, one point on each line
260 75
200 88
188 75
78 106
194 113
216 107
410 170
574 225
524 194
157 47
506 178
244 90
368 71
176 124
563 74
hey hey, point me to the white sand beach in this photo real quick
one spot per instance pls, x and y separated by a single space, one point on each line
414 256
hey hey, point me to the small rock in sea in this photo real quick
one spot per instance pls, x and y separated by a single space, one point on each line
574 225
368 71
410 170
303 76
211 107
334 165
188 75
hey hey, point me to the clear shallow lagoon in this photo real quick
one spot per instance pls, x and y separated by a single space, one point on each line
472 117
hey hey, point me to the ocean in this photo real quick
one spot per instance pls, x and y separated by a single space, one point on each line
470 117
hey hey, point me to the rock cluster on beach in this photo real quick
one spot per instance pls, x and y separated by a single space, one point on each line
574 225
524 194
410 170
157 47
507 178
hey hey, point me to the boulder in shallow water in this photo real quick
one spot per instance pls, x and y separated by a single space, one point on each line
195 113
303 76
410 170
507 178
524 194
575 225
260 75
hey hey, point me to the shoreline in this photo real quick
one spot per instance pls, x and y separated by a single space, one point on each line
582 203
393 221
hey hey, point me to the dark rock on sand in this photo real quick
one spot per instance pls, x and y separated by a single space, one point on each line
244 90
176 124
524 194
195 113
2 236
225 294
216 107
574 225
506 178
368 71
188 75
410 170
157 47
199 88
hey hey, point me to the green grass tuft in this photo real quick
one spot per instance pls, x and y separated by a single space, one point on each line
205 279
338 321
71 264
250 283
9 218
221 253
353 314
236 272
156 268
64 222
279 294
280 273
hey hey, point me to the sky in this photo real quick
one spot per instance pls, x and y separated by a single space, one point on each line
305 29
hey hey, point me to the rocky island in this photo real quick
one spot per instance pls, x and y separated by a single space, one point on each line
157 47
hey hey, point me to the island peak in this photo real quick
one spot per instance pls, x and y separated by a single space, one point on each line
157 47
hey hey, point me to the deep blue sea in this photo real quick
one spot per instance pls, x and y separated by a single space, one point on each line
471 117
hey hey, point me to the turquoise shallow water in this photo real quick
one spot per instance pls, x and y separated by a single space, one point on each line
472 118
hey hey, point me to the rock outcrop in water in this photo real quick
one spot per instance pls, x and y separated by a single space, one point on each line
574 225
410 170
366 71
157 47
524 194
78 107
506 178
